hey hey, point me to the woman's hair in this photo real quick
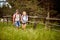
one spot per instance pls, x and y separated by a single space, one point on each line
24 12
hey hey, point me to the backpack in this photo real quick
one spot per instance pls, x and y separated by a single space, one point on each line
15 16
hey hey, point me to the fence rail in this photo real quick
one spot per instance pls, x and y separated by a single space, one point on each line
44 18
34 17
56 19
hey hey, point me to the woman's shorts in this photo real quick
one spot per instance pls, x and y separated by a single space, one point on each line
23 23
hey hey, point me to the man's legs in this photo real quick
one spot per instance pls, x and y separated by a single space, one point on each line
17 24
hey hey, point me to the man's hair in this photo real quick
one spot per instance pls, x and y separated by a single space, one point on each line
17 10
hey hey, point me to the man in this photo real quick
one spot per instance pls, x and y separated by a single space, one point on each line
16 19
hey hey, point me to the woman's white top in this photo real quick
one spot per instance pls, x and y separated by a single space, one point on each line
24 19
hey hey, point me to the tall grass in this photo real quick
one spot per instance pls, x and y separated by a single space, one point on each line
9 32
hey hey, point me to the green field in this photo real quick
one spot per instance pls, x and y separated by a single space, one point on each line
9 32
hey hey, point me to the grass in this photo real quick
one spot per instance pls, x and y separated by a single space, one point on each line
9 32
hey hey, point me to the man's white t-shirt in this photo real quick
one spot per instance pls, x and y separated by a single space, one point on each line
17 17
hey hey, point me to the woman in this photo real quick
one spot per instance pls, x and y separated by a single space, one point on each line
24 19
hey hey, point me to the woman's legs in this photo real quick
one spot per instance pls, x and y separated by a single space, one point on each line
23 26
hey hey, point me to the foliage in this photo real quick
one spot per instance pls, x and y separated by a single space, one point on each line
31 6
9 32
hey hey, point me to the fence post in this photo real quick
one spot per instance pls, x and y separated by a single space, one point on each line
7 20
47 21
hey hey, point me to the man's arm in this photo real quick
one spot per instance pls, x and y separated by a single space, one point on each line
20 17
13 19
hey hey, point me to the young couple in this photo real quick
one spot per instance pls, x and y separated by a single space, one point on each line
18 17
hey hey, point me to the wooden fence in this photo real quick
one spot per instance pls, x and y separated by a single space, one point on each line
35 22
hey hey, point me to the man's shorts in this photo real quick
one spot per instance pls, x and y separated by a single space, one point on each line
17 23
